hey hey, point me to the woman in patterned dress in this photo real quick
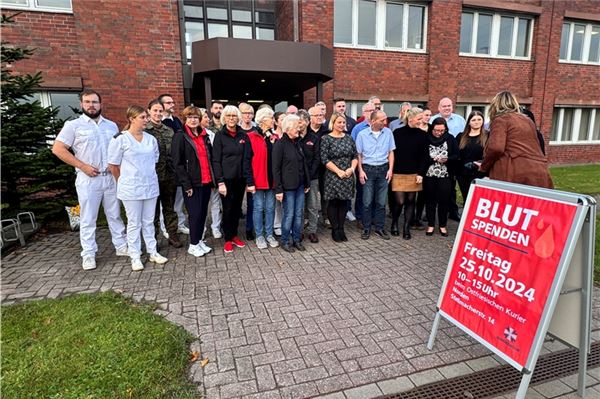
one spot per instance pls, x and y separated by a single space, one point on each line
338 154
443 151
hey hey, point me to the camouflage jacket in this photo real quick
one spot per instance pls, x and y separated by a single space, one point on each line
164 137
213 127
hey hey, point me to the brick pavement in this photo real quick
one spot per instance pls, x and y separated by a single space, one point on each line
339 320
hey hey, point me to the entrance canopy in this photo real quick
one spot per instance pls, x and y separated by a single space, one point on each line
243 69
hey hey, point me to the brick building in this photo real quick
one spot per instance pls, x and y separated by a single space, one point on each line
546 52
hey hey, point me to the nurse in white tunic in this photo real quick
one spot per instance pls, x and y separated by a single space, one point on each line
132 156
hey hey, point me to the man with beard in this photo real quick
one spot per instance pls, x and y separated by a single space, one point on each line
88 137
215 124
174 123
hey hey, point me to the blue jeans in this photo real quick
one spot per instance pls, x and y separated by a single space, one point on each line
358 200
293 213
374 195
264 212
249 211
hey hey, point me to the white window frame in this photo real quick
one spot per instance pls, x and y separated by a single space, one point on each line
380 15
469 109
495 35
33 6
587 39
595 113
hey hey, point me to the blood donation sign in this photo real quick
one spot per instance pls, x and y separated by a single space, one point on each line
510 257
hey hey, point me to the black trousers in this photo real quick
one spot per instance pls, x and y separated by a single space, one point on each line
464 183
336 212
166 198
437 197
197 207
232 207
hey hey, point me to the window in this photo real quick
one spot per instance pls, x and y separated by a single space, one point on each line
39 5
495 35
465 109
580 43
65 101
575 125
242 19
380 24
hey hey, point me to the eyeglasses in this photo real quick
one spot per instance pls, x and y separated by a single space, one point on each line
247 113
231 116
193 117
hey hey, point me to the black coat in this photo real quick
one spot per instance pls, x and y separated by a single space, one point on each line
310 146
228 154
289 163
186 160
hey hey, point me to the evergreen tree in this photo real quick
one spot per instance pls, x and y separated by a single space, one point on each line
32 177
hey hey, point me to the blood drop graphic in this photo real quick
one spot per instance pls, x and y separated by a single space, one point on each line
544 246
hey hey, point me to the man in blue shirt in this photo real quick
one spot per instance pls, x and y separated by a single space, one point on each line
398 123
375 146
367 110
456 123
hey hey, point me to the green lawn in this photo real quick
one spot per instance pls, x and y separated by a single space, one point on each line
92 346
582 179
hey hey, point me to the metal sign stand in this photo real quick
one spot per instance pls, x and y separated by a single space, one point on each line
580 267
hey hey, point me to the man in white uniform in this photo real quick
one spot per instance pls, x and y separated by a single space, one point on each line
88 136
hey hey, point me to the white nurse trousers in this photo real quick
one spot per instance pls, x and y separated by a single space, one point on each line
140 218
91 192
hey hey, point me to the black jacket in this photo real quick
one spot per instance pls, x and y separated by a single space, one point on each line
288 165
186 160
228 154
310 146
174 123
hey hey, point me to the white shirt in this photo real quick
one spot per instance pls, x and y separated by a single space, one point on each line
89 140
138 180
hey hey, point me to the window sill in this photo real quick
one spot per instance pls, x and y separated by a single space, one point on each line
496 57
373 48
562 143
36 9
578 63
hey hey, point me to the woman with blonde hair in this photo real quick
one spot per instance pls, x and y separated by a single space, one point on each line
513 152
410 164
132 158
339 155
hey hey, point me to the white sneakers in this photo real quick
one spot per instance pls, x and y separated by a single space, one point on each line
273 243
204 247
350 216
196 250
261 243
136 264
89 263
183 230
122 252
157 258
217 234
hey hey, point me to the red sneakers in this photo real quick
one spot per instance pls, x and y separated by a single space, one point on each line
228 247
237 242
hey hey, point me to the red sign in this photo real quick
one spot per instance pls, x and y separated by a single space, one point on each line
505 262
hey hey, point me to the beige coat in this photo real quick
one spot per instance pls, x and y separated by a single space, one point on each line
513 152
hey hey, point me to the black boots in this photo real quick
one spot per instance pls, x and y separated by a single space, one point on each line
394 229
406 231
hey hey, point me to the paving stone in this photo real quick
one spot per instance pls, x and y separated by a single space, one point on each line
426 377
482 363
395 385
238 389
455 370
552 388
363 392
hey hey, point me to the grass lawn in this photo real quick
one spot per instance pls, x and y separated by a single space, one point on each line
582 179
92 346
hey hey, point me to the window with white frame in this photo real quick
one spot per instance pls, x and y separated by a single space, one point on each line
391 108
575 125
380 24
465 109
38 5
67 102
580 42
491 34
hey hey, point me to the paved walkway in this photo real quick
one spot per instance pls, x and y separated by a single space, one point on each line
346 320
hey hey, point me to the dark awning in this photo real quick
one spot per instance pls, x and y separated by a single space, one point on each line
258 69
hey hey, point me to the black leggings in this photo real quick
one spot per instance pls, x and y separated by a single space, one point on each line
406 201
336 212
232 207
438 196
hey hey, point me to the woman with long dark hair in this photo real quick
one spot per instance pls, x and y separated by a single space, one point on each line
437 184
471 143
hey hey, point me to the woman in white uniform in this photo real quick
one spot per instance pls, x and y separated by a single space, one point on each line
132 155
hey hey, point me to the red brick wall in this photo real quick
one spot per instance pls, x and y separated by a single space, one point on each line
127 51
474 78
284 20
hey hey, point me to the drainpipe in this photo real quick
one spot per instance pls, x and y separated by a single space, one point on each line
296 23
186 70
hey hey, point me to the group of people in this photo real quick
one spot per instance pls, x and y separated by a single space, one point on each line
292 167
